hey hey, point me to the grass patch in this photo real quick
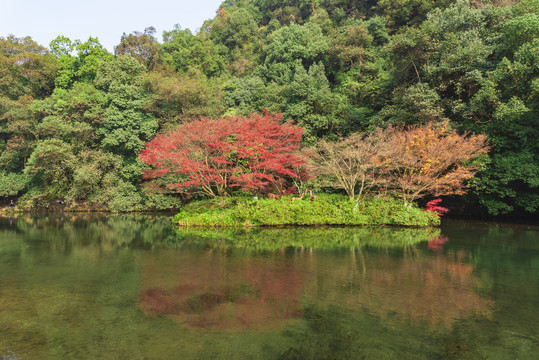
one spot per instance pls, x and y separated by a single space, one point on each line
325 210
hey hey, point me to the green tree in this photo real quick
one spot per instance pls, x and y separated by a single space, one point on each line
91 54
174 98
11 184
187 53
141 46
361 68
405 12
234 27
26 68
27 72
84 66
51 166
312 104
17 132
93 175
416 104
289 44
249 95
127 126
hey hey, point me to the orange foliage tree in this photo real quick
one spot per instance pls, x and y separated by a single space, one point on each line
215 157
417 161
431 160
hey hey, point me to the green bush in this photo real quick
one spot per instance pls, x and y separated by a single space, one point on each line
11 184
162 202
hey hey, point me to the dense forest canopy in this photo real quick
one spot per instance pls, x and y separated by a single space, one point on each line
74 118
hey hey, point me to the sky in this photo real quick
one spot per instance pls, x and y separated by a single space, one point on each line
44 20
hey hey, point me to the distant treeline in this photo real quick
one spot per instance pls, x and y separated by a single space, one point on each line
74 118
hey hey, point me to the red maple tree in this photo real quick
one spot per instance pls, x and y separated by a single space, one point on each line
255 153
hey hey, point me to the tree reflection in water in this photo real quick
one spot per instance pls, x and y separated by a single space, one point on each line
416 287
301 293
214 290
233 282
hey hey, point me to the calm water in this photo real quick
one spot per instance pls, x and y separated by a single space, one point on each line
130 287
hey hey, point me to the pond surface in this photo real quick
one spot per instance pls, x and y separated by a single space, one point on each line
130 287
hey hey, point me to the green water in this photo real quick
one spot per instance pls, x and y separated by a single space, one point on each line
129 287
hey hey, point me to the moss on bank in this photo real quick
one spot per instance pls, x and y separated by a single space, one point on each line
325 210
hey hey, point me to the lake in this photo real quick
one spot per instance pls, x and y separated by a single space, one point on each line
132 287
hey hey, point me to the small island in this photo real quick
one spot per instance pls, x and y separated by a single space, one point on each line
253 171
290 211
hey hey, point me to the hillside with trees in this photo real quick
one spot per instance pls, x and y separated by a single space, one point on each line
419 96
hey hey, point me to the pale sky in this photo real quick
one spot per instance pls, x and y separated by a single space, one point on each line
44 20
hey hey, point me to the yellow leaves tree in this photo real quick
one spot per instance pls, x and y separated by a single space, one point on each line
433 160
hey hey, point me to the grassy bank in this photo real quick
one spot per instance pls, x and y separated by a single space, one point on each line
325 210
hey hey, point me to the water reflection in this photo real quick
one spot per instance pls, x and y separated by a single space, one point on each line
213 289
127 286
321 238
412 287
216 290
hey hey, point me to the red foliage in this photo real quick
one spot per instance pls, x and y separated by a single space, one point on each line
433 206
215 156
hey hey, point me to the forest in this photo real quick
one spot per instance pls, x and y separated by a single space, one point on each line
124 131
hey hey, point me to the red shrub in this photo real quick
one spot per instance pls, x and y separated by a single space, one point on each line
433 206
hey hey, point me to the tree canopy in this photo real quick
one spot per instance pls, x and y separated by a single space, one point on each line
216 157
74 118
